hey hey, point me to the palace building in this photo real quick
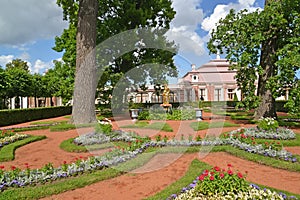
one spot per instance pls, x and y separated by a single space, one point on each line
213 81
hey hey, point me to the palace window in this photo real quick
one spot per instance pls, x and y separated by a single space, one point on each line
230 94
202 94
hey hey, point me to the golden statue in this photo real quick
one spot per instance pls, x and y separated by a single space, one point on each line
166 95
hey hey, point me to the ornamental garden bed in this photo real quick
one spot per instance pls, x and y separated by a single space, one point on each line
128 147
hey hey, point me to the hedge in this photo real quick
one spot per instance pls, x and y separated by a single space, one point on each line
9 117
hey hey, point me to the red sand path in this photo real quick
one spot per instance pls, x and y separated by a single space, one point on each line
152 177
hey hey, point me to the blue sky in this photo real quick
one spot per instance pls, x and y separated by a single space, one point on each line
28 29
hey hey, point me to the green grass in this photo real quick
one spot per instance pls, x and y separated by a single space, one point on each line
50 122
30 128
7 153
67 126
197 126
155 126
69 146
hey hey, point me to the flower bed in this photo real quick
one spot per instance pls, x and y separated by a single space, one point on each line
100 138
277 134
135 145
219 184
10 139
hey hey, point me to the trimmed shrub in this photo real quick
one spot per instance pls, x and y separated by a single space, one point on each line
9 117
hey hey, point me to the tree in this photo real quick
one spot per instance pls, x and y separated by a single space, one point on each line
4 83
86 72
38 88
115 17
20 82
264 46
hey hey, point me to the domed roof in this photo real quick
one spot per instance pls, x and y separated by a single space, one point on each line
217 65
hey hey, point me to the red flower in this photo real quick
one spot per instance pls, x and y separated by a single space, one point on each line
216 168
211 178
205 173
26 164
2 167
65 162
201 178
240 175
222 175
252 138
13 167
229 172
229 165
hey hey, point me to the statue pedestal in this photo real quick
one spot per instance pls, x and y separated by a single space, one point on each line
167 107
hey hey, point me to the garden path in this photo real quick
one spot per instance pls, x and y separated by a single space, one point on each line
152 177
135 185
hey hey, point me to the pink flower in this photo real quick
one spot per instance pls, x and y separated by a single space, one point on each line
211 178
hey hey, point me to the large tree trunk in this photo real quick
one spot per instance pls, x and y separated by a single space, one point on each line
86 77
267 62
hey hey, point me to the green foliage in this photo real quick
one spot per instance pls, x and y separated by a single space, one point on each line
9 117
117 17
221 181
174 114
103 128
264 43
6 133
267 123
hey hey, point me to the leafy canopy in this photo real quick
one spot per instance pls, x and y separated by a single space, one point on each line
240 35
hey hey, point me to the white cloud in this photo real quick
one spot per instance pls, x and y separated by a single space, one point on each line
4 59
221 11
40 66
24 22
183 27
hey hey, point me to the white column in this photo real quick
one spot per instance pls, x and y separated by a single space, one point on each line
25 102
13 103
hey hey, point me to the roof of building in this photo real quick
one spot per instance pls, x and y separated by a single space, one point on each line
215 71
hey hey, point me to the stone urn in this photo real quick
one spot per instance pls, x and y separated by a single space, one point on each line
134 113
198 114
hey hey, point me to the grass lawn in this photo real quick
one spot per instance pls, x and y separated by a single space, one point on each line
156 126
197 126
50 122
69 146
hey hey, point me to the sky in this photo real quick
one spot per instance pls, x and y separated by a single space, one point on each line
28 29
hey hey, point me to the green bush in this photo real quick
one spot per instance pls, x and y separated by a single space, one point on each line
144 115
104 128
9 117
